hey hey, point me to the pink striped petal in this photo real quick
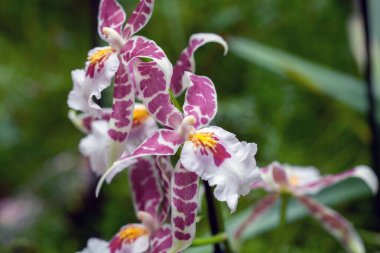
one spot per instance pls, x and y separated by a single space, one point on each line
139 18
121 117
335 224
260 208
165 169
161 240
111 15
161 143
152 79
154 92
184 189
363 172
186 60
146 186
200 99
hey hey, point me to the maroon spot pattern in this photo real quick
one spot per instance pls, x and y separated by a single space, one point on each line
184 203
139 18
219 153
146 187
279 175
97 67
200 100
122 107
112 15
161 240
164 172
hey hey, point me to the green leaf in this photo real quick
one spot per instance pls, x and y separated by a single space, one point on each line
374 9
342 87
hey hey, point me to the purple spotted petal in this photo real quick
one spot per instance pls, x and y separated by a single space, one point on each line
161 240
260 208
146 186
139 18
335 224
151 83
186 60
152 79
161 143
121 117
111 15
200 99
362 172
184 189
165 169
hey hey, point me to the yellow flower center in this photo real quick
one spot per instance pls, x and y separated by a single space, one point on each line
294 180
139 116
132 233
100 55
207 140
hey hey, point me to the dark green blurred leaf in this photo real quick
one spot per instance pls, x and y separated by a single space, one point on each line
342 87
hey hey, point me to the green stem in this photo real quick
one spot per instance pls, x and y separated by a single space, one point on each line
280 234
174 100
221 237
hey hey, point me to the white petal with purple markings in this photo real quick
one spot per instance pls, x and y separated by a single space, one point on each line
162 142
200 99
335 224
139 18
111 15
184 198
186 60
362 172
220 158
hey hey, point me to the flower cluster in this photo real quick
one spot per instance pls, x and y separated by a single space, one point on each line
128 134
278 179
145 127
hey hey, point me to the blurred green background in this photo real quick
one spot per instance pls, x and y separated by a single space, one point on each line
41 41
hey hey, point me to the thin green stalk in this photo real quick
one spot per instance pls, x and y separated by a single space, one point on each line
174 100
280 234
218 238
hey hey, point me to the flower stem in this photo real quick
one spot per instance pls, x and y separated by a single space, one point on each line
218 238
215 220
279 239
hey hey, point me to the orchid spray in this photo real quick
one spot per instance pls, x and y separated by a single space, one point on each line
146 128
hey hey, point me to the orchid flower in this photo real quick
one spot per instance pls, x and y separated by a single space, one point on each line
116 60
149 182
133 238
300 182
94 145
209 152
